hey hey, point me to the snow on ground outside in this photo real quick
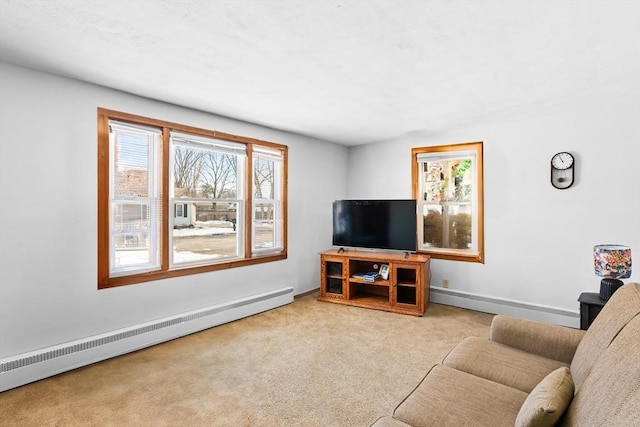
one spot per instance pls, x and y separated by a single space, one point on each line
132 257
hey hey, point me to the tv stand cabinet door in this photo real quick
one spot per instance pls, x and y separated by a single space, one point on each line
333 279
408 287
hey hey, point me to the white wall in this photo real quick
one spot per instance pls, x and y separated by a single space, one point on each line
48 292
538 240
48 169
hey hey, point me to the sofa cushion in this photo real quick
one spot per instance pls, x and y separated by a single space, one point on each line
610 395
500 363
448 397
547 401
623 306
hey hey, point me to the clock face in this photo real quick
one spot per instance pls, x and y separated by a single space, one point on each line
562 161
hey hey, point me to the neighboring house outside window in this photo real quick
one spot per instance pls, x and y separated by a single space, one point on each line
223 213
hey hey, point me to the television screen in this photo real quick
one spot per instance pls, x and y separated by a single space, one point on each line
375 224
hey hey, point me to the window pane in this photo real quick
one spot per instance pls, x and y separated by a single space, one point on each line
135 207
460 227
207 231
447 226
264 178
267 193
447 186
130 235
264 226
131 164
448 180
432 223
199 172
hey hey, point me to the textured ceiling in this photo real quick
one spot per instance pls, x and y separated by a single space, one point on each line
344 71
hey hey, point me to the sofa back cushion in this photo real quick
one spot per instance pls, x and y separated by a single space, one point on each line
610 395
623 306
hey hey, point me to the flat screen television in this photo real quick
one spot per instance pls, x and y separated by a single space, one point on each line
375 224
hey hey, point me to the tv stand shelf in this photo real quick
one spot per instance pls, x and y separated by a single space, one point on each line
405 291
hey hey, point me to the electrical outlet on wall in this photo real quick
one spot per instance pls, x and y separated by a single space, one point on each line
445 283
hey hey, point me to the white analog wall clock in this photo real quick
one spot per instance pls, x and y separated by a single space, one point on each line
562 170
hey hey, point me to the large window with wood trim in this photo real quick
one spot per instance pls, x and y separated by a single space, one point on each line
176 200
448 186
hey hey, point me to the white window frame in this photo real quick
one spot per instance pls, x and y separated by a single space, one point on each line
153 140
211 145
277 158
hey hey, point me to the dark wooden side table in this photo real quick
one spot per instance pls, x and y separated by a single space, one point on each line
590 306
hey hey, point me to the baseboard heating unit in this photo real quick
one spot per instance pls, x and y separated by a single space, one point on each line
36 365
487 304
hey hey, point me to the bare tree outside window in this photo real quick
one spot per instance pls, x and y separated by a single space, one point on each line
219 174
263 178
187 169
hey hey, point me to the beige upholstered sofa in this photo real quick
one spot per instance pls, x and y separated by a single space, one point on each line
534 374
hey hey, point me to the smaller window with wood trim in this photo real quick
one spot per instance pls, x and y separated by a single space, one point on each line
448 187
176 200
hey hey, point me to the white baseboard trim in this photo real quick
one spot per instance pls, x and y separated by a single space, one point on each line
487 304
28 367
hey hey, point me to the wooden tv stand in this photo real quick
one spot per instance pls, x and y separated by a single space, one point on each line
405 291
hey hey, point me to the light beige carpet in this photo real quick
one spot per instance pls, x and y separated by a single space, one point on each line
305 364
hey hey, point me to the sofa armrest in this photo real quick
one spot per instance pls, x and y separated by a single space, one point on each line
548 340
